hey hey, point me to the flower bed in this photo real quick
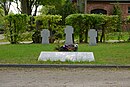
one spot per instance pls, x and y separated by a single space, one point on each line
66 47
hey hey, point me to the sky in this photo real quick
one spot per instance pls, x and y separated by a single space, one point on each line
13 8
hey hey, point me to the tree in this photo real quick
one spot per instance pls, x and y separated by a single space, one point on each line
59 7
117 11
47 9
5 4
28 5
1 19
67 9
128 29
1 11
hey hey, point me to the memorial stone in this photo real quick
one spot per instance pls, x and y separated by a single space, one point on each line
69 32
45 34
63 56
92 34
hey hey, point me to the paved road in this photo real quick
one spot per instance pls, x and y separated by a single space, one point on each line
40 77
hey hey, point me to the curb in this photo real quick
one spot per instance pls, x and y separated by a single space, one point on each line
61 66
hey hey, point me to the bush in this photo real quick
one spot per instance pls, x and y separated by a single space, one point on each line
83 22
52 23
15 26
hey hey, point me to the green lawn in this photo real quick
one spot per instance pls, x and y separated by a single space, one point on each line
105 53
118 36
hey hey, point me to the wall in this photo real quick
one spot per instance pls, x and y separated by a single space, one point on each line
108 7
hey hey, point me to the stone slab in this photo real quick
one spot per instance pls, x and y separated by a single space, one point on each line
45 34
92 34
68 37
63 56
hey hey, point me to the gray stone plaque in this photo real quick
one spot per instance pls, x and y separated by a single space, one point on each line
63 56
92 34
45 34
69 31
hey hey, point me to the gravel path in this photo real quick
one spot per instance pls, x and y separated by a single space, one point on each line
40 77
1 36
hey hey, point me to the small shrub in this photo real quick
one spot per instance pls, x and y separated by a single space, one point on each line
15 26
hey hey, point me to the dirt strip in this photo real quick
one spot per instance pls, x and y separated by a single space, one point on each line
54 77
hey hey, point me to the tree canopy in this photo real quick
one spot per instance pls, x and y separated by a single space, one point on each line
5 5
27 5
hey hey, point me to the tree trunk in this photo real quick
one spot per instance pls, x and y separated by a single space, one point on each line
51 35
11 33
80 38
102 39
15 33
73 38
81 34
26 7
6 7
35 12
97 36
29 9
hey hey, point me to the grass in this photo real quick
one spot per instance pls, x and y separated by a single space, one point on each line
117 53
117 36
112 53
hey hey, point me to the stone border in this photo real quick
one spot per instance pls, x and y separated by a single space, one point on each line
61 66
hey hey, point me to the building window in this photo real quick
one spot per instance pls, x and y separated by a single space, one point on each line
128 10
98 11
